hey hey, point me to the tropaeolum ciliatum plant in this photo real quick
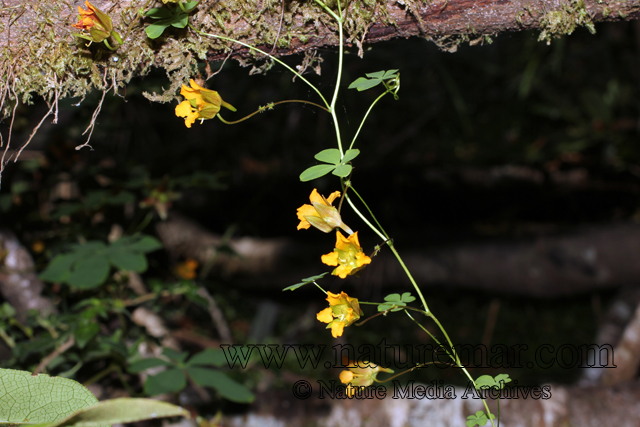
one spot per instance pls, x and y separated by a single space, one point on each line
324 213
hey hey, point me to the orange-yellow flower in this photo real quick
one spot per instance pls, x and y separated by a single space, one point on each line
199 103
95 21
321 214
342 312
357 376
348 256
187 269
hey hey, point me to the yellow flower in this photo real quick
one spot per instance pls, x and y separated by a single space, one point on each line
342 312
358 376
199 103
95 21
348 256
321 214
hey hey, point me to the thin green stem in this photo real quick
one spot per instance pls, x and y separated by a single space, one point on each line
369 210
456 359
320 287
268 55
339 77
7 339
365 118
366 221
267 107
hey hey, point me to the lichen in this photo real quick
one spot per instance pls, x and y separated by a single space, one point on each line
565 20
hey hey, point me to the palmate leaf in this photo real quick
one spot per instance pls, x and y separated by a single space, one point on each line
372 80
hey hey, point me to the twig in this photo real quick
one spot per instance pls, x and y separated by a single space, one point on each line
57 352
217 317
279 26
92 124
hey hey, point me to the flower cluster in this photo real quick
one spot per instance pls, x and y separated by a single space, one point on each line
199 103
347 257
97 23
342 312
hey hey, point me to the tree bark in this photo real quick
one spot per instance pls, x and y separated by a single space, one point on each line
42 55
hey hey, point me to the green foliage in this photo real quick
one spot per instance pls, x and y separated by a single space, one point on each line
396 302
87 265
168 17
373 80
479 418
60 402
174 378
305 281
337 164
497 382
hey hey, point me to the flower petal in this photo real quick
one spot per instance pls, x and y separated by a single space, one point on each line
337 328
325 316
346 377
330 259
185 110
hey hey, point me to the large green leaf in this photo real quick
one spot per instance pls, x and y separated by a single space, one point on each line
228 388
125 410
39 399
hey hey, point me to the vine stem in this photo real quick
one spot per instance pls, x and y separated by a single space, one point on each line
261 109
365 118
386 238
454 357
266 54
338 19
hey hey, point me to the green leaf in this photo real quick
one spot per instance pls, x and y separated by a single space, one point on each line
181 22
228 388
389 74
363 83
85 333
406 297
315 172
376 75
305 281
178 356
190 5
209 356
138 243
124 410
169 381
39 399
159 13
154 30
144 364
58 269
129 261
392 297
350 155
342 171
331 155
89 273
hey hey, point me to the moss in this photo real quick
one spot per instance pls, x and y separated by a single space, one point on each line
565 20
